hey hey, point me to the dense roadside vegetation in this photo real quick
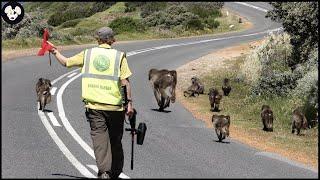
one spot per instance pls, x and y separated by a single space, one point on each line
77 23
281 72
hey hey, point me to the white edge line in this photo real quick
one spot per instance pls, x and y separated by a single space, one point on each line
53 119
82 169
255 7
53 90
65 121
72 75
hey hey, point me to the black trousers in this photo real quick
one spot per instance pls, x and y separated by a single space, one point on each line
106 133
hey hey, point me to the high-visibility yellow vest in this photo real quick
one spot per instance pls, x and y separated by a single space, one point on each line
101 76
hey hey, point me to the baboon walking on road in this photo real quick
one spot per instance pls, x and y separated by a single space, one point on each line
221 125
43 92
267 118
196 88
299 121
163 83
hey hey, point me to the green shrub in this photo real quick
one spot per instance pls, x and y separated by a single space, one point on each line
267 70
212 23
194 24
77 10
151 7
126 24
70 23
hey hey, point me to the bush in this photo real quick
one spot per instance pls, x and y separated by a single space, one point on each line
212 23
70 23
151 7
266 68
77 10
194 24
126 24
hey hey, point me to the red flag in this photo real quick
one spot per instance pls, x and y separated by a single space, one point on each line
45 46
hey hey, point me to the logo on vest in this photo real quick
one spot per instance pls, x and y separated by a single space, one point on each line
101 63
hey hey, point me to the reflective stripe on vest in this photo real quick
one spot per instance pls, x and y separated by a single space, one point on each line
101 76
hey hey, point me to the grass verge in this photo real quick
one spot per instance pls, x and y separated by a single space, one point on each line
244 110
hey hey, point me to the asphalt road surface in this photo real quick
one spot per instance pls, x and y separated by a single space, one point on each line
58 144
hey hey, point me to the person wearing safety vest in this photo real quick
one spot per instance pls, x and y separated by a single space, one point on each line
104 71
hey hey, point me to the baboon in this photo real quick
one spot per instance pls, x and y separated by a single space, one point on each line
226 87
43 92
196 87
298 120
221 125
163 83
240 20
267 118
214 98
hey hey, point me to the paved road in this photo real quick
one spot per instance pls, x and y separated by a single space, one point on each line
176 144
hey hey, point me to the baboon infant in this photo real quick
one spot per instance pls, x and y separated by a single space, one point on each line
196 87
163 83
43 92
221 125
214 98
299 121
226 87
267 118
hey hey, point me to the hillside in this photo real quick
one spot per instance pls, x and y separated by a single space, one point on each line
77 23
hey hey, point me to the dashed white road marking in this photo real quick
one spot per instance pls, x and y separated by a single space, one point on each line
53 90
65 121
53 119
72 75
95 168
82 169
62 76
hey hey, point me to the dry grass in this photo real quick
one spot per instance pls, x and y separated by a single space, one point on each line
245 122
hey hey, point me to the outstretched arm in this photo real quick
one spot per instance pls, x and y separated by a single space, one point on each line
62 59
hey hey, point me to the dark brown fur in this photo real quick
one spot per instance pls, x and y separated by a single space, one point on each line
162 80
298 120
196 88
43 92
221 125
226 87
214 98
267 118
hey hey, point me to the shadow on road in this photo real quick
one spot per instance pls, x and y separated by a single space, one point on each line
66 175
47 110
222 142
165 111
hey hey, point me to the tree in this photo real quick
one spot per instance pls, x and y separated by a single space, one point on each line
300 20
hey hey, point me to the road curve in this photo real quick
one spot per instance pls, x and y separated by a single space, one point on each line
176 144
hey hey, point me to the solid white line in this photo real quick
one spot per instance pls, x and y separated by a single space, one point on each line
82 169
53 90
53 119
72 75
95 168
250 5
65 121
